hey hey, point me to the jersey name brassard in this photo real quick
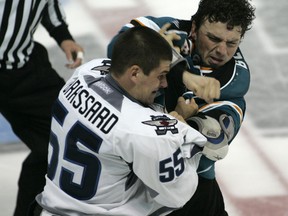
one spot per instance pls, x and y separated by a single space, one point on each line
110 155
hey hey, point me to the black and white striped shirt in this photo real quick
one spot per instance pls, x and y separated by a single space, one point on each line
18 22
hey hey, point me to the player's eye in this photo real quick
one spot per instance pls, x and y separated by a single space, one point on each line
214 39
161 77
232 44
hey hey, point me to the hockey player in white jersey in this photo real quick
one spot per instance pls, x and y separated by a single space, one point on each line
110 152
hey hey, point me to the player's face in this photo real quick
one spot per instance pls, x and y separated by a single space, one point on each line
149 85
215 43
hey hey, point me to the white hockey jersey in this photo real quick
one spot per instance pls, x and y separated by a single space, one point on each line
110 155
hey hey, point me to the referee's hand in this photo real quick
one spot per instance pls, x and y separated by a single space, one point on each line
74 53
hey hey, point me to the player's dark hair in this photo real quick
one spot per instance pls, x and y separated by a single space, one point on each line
140 46
233 12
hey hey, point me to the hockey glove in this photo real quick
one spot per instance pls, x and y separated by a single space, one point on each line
217 133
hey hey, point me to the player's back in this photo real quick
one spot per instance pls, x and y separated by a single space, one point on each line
83 168
103 141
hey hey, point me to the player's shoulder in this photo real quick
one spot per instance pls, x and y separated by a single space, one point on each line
234 76
146 121
97 66
240 80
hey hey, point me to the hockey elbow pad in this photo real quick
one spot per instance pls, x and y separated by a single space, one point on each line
217 146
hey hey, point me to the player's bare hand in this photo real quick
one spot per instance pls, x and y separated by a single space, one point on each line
186 108
177 116
206 88
74 53
169 36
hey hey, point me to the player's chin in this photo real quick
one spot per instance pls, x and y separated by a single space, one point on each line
215 63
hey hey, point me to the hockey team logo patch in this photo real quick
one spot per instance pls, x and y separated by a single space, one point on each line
104 68
162 124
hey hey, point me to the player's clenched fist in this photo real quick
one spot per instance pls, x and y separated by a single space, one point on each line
169 36
206 88
186 107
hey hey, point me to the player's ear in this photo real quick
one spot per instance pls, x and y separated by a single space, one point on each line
135 73
193 30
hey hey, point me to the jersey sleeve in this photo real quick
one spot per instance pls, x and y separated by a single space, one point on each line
232 100
154 23
159 150
54 20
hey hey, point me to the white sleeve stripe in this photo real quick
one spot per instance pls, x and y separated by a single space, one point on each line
143 21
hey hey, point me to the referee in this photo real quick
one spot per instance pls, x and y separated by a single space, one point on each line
29 85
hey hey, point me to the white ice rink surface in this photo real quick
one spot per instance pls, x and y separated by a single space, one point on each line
254 175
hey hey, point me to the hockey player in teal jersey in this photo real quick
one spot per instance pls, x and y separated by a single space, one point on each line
210 44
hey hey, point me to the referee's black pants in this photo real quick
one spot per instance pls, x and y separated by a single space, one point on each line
26 98
206 201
